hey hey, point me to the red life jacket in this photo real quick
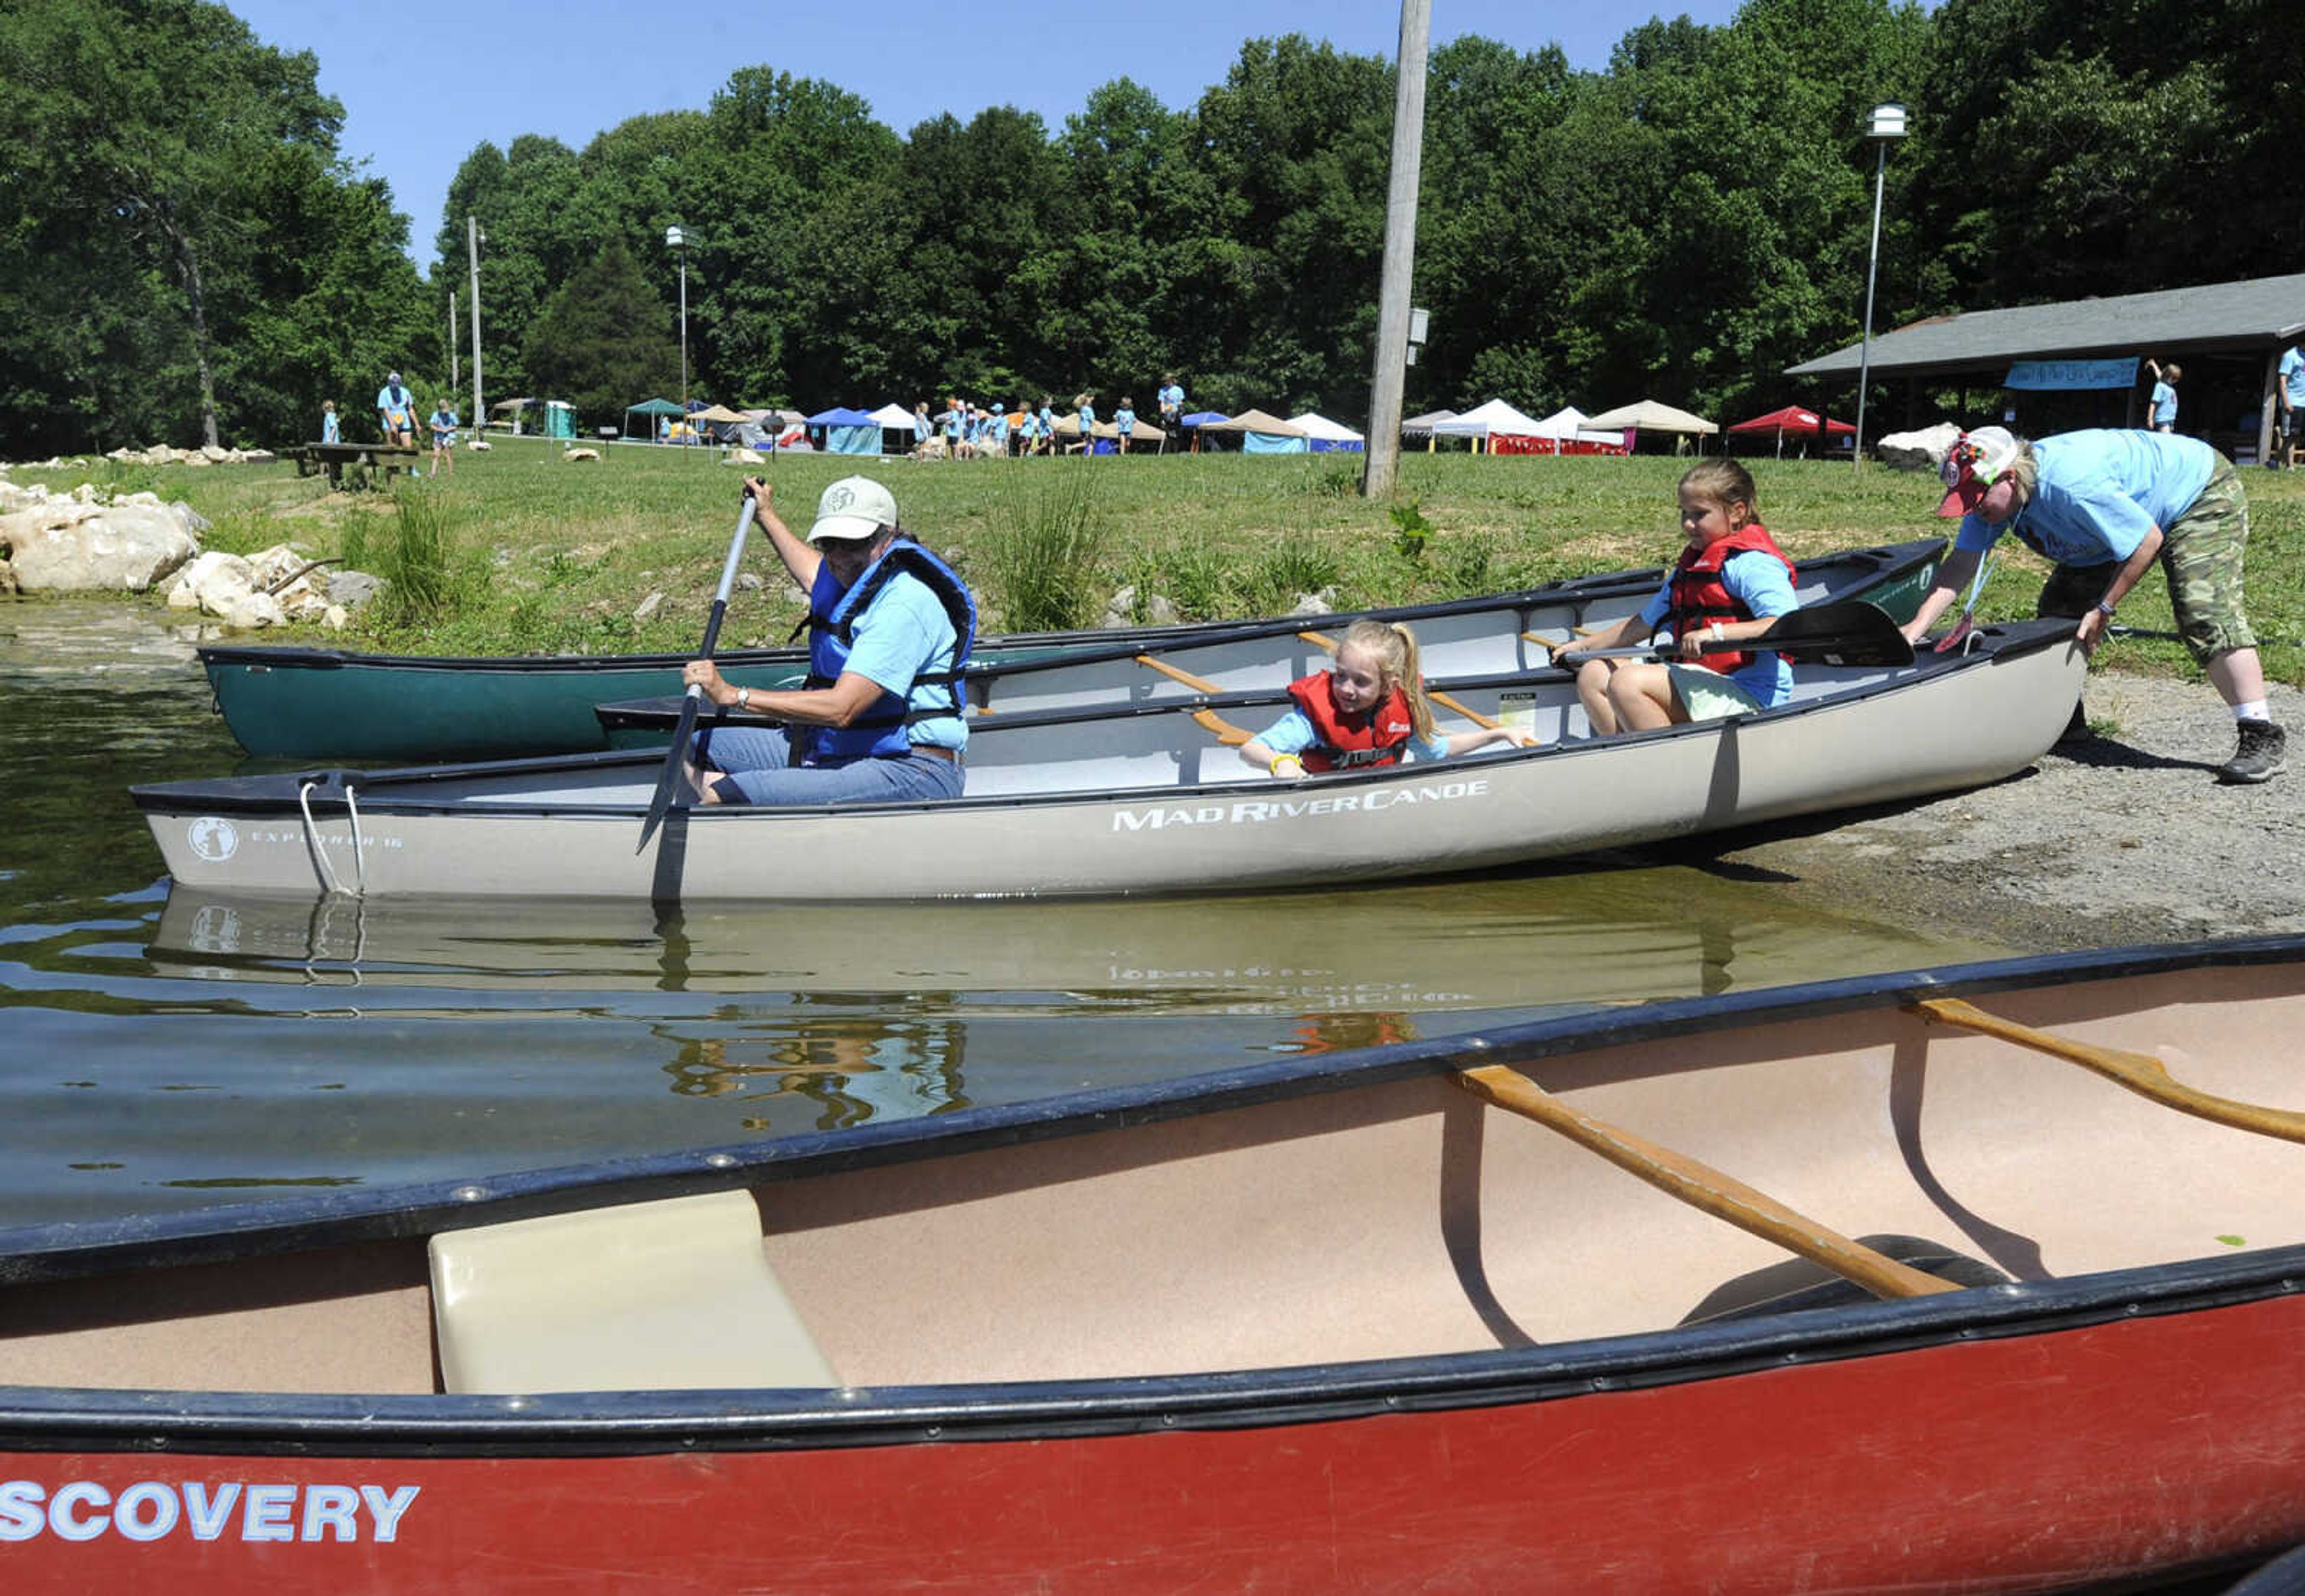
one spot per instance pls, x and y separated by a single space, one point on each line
1700 598
1376 738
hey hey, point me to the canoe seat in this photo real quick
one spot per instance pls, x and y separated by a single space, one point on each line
675 1294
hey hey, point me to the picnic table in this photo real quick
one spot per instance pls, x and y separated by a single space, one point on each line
383 459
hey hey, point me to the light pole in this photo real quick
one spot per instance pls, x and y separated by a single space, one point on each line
1886 127
676 239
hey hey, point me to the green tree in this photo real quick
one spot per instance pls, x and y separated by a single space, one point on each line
186 200
604 340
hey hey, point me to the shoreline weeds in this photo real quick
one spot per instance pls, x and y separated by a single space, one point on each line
2126 836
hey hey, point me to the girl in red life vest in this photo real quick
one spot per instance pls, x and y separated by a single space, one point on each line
1731 581
1365 709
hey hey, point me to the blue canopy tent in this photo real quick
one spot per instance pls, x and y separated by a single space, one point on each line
848 431
1199 418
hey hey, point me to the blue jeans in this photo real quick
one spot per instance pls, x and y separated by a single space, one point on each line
757 764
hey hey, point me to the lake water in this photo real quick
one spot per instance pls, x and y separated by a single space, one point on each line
163 1051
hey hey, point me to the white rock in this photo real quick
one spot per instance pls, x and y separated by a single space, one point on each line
648 607
1922 451
573 454
71 547
256 610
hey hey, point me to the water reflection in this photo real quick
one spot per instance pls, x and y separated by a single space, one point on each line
850 1071
1535 939
166 1049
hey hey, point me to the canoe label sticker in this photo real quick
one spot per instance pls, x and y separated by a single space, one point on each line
213 838
1518 710
231 1510
1250 811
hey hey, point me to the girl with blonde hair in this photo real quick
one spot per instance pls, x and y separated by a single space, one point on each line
1365 709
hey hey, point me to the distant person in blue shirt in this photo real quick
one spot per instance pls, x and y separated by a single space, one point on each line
331 427
1731 581
2103 505
1084 413
1048 422
889 626
396 412
2289 389
2163 410
1171 401
443 423
1124 420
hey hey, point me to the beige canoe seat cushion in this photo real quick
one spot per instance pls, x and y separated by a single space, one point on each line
675 1295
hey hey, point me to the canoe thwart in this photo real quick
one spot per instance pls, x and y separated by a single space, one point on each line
2147 1076
675 1294
1702 1186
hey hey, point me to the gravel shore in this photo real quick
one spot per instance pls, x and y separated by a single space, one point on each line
2125 837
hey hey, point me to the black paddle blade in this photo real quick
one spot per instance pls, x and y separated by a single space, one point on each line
668 779
1853 631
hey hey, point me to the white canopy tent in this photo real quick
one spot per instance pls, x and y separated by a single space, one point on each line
1496 419
1327 435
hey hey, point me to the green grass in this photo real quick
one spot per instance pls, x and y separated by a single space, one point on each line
551 556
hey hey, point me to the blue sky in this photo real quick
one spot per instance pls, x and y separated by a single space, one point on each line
422 88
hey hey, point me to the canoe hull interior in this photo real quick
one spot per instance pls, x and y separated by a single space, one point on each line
1311 1338
1124 804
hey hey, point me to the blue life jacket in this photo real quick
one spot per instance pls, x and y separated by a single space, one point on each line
832 616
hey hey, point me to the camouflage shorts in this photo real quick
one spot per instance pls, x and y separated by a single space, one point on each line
2202 554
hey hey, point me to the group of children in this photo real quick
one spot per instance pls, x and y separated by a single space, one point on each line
1729 583
395 416
965 430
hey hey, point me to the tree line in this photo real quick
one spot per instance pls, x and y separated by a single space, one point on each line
192 257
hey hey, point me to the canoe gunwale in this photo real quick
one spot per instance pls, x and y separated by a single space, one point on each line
1892 559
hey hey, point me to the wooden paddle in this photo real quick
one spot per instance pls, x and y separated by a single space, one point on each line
1323 640
677 755
1208 720
1702 1186
2142 1072
1850 632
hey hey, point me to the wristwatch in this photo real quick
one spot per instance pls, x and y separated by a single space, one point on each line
744 694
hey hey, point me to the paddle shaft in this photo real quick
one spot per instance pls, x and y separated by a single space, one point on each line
675 756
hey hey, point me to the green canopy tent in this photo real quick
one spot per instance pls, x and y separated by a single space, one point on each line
652 409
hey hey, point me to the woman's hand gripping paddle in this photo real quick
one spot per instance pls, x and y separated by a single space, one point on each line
677 755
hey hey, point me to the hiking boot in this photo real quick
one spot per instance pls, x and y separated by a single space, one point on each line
2259 755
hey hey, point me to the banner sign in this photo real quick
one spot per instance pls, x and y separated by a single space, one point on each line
2063 375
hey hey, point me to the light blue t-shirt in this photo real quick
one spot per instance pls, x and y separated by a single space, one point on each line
330 428
1087 417
1293 734
1172 397
2165 405
443 422
396 406
1124 421
2099 492
2292 374
903 634
1761 583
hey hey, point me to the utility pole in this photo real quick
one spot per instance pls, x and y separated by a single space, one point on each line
472 254
1390 378
456 364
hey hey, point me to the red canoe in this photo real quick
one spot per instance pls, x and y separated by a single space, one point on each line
1363 1322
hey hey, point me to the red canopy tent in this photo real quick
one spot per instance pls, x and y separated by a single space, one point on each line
1803 424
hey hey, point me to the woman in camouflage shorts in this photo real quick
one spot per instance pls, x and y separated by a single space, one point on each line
2105 505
